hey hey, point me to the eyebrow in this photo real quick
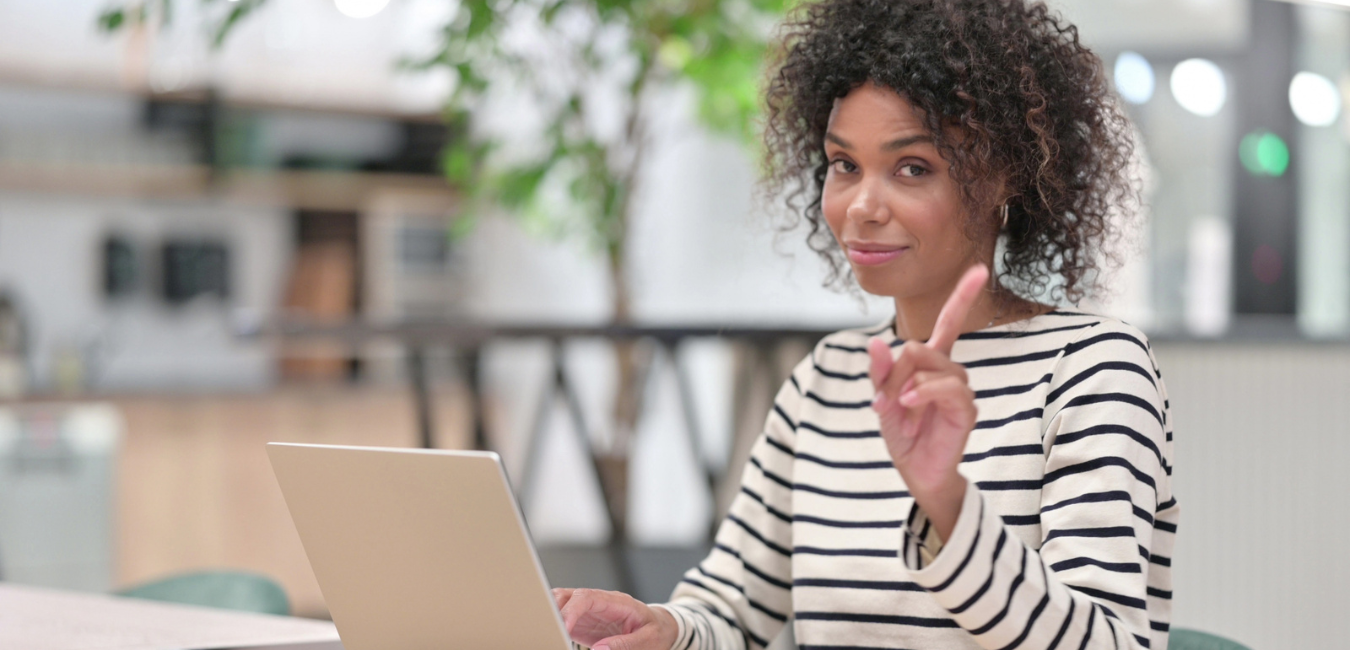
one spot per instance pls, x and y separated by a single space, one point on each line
893 145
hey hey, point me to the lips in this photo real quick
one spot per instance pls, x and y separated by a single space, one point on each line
873 254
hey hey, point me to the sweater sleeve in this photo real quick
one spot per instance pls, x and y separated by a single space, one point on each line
739 597
1106 514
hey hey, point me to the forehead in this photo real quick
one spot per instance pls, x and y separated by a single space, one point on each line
874 112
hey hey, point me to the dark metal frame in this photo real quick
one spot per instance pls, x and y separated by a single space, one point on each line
470 338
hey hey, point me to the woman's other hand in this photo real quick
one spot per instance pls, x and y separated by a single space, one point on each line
927 409
610 620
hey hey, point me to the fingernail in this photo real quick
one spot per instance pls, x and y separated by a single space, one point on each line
908 399
878 401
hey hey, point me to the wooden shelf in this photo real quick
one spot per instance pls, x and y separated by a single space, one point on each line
99 83
312 190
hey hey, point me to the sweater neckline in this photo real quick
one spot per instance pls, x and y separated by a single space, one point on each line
886 330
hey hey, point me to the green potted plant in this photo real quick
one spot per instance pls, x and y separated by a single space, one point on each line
635 46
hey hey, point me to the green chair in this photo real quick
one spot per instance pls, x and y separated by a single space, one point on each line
235 590
1183 639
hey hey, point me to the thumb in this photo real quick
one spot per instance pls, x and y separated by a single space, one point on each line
882 361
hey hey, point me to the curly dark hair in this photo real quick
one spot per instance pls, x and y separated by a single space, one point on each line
1031 104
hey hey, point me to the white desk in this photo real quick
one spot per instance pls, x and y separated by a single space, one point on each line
32 618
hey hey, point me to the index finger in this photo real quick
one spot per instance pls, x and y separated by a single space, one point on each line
561 596
881 361
958 305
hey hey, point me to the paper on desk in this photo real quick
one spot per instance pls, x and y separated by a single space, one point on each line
32 618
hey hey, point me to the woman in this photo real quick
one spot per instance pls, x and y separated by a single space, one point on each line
983 470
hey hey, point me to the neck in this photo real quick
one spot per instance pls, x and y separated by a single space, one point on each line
915 316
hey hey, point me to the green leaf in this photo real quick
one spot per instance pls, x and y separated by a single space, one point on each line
112 19
675 53
516 187
462 225
458 164
237 13
481 18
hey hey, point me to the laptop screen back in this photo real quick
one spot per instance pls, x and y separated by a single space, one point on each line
418 549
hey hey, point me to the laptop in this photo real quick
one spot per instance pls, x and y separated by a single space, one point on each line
417 548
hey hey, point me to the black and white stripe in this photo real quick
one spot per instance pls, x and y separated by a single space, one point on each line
1065 537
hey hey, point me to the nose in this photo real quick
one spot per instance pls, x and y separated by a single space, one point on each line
867 205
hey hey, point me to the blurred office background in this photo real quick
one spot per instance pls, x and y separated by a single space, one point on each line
164 205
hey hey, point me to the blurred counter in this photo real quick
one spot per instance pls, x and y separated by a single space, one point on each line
191 487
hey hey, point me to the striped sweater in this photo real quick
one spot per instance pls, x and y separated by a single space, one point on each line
1064 538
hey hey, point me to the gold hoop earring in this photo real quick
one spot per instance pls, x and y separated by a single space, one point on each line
1005 216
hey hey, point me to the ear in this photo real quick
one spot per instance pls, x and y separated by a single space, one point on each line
1005 205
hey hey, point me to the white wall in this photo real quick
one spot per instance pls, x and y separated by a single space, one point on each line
50 257
1261 443
292 51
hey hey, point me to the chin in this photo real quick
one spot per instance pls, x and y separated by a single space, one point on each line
879 283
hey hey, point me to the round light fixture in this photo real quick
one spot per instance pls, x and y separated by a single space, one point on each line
360 8
1315 100
1134 78
1199 87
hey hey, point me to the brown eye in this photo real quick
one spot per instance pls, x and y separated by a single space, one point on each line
844 166
911 171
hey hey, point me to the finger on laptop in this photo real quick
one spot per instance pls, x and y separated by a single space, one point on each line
644 637
561 596
591 615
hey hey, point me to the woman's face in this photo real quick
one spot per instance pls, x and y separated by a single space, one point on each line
889 200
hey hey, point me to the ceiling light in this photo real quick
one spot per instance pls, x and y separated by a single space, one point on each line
1199 87
1134 78
1315 100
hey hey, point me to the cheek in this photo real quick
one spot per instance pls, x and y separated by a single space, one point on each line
928 224
835 209
937 219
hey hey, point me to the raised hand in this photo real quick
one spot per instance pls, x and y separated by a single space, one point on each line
927 408
610 620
